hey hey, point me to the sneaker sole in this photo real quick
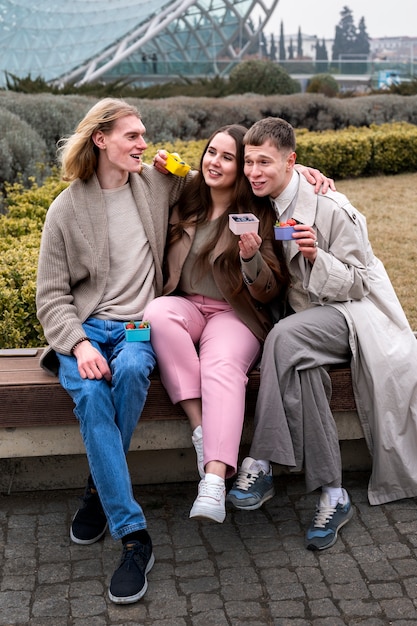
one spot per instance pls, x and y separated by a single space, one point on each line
86 542
203 513
251 507
140 594
313 548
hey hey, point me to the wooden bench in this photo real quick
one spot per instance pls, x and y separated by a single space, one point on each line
29 397
37 420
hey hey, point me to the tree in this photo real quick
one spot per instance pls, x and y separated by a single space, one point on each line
291 51
350 43
253 47
299 45
363 45
345 36
322 64
323 83
272 49
281 44
263 46
261 77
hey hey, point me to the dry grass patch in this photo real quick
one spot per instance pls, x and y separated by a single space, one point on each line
390 206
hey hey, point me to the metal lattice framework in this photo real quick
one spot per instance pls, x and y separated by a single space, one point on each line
101 40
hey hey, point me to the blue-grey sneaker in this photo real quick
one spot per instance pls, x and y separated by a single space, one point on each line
322 532
252 486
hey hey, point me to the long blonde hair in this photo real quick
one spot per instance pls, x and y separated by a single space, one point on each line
77 153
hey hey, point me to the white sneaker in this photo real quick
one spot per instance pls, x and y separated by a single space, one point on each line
197 439
210 502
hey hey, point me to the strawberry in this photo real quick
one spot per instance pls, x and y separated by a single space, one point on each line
130 325
290 222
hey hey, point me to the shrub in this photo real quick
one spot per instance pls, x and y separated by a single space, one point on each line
261 77
29 145
340 154
20 233
19 326
49 115
394 149
385 149
21 149
323 83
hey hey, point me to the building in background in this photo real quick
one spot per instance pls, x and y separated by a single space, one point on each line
79 41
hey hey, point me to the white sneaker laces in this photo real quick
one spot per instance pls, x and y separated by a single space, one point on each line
246 479
323 515
210 490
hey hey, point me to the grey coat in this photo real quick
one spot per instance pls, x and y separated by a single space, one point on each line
348 276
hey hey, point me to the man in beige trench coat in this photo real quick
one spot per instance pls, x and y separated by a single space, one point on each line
342 307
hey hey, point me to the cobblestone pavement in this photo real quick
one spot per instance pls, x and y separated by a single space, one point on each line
251 570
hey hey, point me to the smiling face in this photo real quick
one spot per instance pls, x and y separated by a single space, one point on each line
120 151
268 169
219 164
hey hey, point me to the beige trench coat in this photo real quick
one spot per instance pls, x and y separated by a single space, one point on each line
384 349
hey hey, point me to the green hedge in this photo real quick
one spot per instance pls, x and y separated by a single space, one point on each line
384 149
387 149
35 122
20 233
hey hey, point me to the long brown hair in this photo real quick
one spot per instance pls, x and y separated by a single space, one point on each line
194 208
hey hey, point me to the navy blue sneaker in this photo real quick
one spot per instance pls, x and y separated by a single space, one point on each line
129 582
252 486
322 532
89 523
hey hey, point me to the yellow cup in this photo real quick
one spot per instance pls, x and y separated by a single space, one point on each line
176 165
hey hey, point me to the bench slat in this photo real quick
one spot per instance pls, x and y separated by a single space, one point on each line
30 397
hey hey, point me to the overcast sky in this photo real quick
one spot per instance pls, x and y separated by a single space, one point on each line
319 17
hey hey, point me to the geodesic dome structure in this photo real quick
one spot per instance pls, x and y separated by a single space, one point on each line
83 41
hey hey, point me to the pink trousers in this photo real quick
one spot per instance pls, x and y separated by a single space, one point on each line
205 351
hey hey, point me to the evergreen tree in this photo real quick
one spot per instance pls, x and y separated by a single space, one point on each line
345 36
263 52
282 55
291 51
299 45
363 45
253 48
272 49
351 43
322 64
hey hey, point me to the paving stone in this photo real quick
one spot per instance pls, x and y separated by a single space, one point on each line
410 585
238 610
397 608
323 608
405 567
14 607
51 601
359 607
348 591
205 602
211 618
287 608
252 570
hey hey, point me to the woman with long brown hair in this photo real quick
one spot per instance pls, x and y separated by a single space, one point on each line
210 324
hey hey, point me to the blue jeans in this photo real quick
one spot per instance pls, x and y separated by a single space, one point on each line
108 414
